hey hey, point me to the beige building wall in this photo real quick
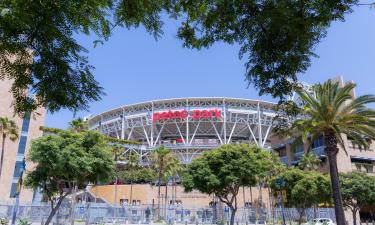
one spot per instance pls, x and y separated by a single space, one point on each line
11 148
145 194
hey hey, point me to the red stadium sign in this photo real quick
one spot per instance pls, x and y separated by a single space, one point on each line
183 114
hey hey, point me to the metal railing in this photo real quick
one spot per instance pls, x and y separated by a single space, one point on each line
145 214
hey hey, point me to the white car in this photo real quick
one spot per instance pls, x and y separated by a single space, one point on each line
320 221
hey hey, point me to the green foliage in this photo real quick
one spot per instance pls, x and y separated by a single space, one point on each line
309 161
160 160
68 160
8 129
277 37
357 190
23 222
331 111
303 188
133 172
38 49
111 140
78 125
224 170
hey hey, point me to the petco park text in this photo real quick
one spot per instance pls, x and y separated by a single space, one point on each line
183 114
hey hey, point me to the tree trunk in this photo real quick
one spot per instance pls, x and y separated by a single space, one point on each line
251 196
2 154
336 193
166 201
54 210
301 211
73 206
354 216
233 214
159 198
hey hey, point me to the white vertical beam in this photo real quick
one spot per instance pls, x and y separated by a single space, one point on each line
265 137
123 124
225 121
259 126
195 131
187 121
231 133
252 134
179 131
152 124
145 132
160 131
217 133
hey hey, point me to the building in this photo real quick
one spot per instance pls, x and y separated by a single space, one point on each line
187 126
190 126
16 151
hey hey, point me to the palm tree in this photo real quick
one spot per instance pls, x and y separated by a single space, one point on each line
132 166
117 151
309 162
8 129
159 160
330 111
78 125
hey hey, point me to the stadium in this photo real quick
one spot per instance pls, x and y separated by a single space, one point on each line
188 126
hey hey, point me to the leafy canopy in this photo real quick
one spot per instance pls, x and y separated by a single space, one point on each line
303 188
39 51
68 160
224 170
357 190
331 111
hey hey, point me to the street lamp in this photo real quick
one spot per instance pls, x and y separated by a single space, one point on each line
280 184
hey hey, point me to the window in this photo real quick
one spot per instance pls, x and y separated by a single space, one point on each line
18 169
22 145
13 190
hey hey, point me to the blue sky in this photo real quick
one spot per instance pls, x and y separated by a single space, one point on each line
133 67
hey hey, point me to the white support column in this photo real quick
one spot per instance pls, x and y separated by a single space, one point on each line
252 134
217 133
145 132
225 122
187 121
179 131
259 126
123 124
130 133
195 131
152 124
231 133
160 131
266 137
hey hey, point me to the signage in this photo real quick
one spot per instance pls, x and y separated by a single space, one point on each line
183 114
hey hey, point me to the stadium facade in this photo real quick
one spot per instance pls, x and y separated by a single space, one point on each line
188 126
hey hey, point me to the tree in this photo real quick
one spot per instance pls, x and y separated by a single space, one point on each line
159 162
277 37
8 129
78 125
224 170
357 191
330 111
67 161
133 172
38 48
304 189
309 162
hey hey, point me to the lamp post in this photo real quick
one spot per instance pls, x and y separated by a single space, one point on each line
19 186
280 184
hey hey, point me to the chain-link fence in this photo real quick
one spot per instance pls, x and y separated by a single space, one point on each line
145 214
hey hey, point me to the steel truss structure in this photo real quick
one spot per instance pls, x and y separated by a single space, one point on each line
240 121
